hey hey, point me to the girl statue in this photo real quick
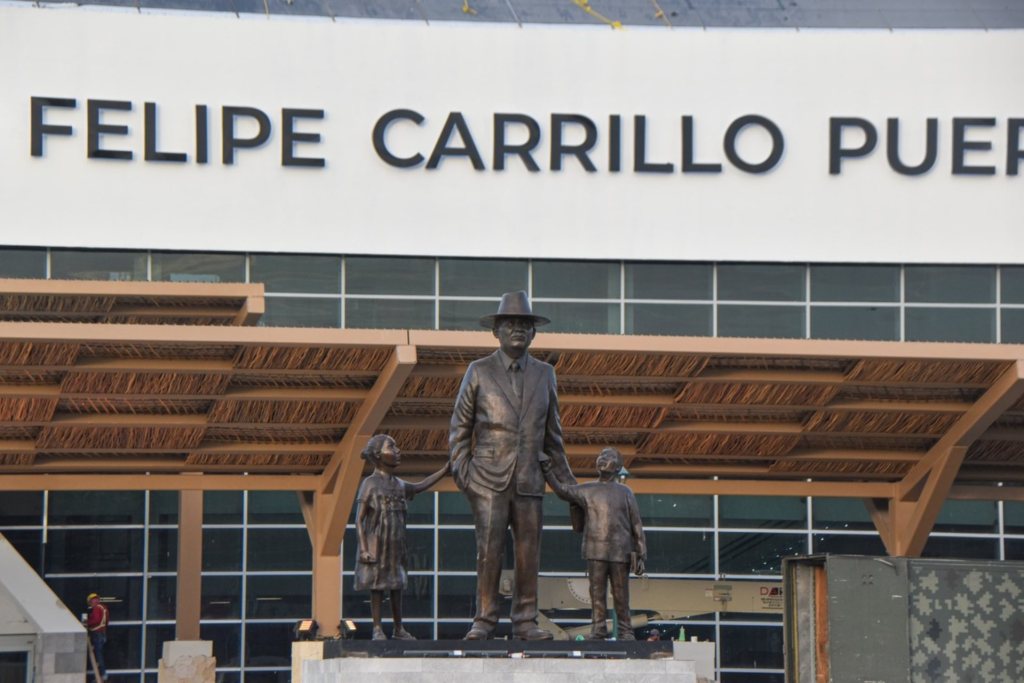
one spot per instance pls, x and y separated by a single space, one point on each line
380 524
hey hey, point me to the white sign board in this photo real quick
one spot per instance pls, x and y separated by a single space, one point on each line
211 132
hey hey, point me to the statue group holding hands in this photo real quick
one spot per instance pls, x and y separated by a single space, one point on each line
505 444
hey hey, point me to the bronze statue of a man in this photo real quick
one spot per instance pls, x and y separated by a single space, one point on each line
505 422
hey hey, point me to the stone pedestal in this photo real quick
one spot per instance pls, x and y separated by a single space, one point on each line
309 650
702 654
187 661
499 661
497 670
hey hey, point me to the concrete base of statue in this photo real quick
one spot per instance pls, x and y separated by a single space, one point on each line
457 661
187 661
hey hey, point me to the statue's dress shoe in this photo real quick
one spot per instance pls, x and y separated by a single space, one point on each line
378 633
534 632
478 633
401 634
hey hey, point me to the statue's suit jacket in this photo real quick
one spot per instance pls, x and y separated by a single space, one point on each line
495 438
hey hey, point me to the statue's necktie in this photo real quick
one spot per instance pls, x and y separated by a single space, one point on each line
517 379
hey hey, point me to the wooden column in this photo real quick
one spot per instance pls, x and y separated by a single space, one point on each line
327 592
190 565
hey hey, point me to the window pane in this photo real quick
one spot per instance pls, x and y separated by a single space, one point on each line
579 317
284 549
855 322
418 597
841 513
196 267
675 511
268 645
97 265
464 315
966 516
279 597
576 279
419 549
1013 517
282 676
355 604
395 314
160 597
163 550
222 507
163 507
668 281
387 275
950 284
760 282
560 552
222 550
751 647
456 549
678 319
960 547
274 507
757 553
680 552
155 637
297 273
29 545
855 283
453 508
21 508
747 677
1013 325
951 324
482 277
835 544
121 594
221 597
456 598
297 312
1014 549
124 646
420 509
96 507
22 263
227 645
760 321
1012 285
556 512
762 512
77 551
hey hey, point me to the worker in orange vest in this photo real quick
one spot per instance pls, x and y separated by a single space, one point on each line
96 623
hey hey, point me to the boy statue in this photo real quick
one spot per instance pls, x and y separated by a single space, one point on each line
613 540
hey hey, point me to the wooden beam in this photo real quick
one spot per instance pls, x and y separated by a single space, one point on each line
756 487
1003 393
978 492
912 512
844 405
158 482
252 310
340 478
879 509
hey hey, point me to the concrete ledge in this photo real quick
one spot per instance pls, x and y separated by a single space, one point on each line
497 670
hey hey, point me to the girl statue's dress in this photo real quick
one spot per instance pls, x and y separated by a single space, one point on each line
383 525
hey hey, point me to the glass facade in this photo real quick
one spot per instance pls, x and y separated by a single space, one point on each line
256 554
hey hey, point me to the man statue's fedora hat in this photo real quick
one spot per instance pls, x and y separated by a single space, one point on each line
513 305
